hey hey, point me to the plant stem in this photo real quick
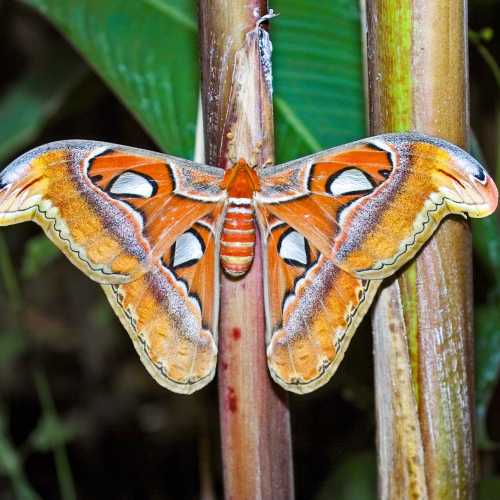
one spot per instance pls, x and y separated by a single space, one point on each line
61 461
417 80
9 276
238 123
11 463
487 56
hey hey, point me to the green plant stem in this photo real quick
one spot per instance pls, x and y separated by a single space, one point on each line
11 463
487 56
64 475
9 276
423 319
63 469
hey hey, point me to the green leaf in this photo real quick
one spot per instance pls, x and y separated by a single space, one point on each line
486 239
11 463
12 344
146 50
489 488
486 232
40 252
355 477
318 75
487 347
50 433
35 98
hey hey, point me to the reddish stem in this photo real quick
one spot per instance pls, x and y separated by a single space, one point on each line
237 105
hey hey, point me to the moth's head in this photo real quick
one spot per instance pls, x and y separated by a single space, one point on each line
455 175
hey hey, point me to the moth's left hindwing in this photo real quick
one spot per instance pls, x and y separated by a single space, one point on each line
144 225
313 308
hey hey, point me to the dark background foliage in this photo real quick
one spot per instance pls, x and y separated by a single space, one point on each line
79 416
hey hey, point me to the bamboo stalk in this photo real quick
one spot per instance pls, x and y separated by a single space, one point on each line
238 123
417 80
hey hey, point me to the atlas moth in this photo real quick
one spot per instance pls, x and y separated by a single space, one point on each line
154 231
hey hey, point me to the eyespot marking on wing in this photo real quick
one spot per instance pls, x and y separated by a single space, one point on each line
349 181
133 184
293 248
188 249
480 174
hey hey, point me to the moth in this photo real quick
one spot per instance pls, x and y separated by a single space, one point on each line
154 231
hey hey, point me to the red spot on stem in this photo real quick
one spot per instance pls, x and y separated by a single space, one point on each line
232 400
224 365
236 333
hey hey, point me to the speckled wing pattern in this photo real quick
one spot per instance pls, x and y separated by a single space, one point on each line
336 223
143 225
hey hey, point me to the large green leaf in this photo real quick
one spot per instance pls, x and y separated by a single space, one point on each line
32 101
487 364
486 237
146 51
318 77
488 488
354 478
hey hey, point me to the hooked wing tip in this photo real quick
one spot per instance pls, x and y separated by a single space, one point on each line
465 174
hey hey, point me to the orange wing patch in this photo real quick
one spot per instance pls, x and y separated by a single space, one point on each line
318 324
149 186
430 180
164 323
313 309
171 313
324 187
75 216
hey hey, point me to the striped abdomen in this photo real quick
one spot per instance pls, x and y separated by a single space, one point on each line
238 237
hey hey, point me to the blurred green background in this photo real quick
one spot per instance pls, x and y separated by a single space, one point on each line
79 416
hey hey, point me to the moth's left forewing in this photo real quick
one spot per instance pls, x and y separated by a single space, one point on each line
314 194
371 205
429 179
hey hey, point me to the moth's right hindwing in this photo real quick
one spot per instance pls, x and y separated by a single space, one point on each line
171 312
